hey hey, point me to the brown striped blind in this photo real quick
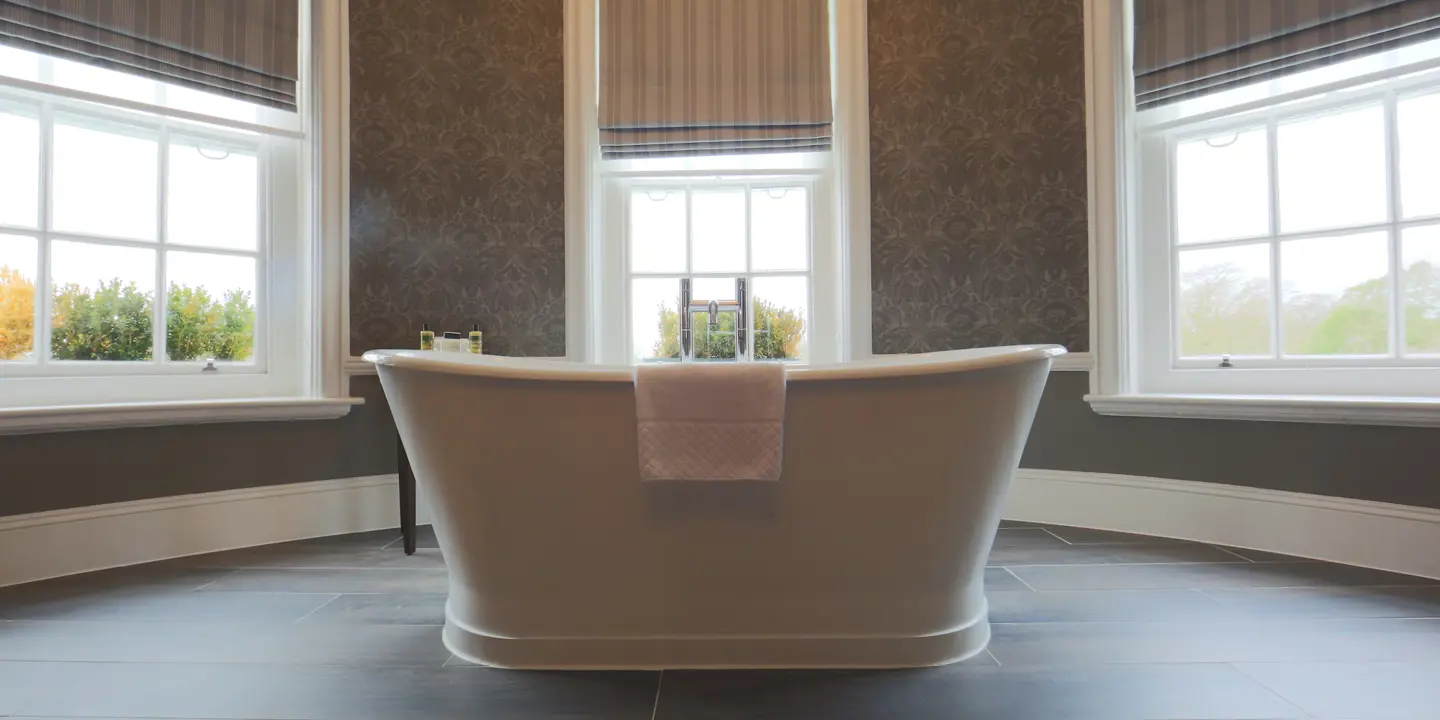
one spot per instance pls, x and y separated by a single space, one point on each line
1185 48
713 77
247 49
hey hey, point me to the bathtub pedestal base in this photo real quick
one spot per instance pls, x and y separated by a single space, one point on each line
716 653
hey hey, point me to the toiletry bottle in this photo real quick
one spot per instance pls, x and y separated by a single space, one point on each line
453 342
475 340
427 337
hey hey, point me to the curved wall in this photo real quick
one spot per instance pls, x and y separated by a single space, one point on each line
979 237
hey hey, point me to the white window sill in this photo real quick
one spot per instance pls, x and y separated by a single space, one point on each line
1343 410
60 418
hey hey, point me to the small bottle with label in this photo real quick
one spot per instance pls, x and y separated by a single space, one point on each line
427 337
475 340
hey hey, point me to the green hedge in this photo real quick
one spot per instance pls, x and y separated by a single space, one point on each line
113 322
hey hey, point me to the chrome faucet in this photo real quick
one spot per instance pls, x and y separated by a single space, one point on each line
712 312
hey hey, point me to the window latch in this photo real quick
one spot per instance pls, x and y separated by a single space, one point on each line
210 366
1225 362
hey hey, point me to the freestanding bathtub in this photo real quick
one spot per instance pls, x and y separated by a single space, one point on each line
869 552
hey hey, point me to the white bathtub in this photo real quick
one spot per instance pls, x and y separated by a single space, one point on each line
869 552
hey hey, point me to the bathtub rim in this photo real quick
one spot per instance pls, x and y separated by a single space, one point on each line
560 369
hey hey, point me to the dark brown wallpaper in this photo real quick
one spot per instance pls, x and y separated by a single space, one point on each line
977 152
457 172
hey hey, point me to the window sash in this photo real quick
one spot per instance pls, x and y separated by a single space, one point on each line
746 185
612 276
274 369
1161 366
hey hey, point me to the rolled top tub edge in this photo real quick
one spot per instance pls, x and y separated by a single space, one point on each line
561 369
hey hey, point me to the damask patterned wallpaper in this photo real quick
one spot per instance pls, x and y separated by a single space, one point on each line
977 152
457 172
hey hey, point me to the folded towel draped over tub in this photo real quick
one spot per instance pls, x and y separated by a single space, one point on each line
710 421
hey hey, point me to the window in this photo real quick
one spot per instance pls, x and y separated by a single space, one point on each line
154 241
1271 225
714 230
1299 235
741 248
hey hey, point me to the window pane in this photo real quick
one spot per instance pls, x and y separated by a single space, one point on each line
210 310
717 227
779 229
18 263
19 169
105 182
1222 190
213 196
718 342
1336 295
1420 156
781 309
101 305
655 318
206 103
1420 251
18 63
1224 301
1332 170
657 231
102 81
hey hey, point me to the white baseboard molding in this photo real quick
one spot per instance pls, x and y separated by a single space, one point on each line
1354 532
64 542
1377 535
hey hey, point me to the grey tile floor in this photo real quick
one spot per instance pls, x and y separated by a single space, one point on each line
1087 625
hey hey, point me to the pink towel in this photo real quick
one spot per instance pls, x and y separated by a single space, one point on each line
703 421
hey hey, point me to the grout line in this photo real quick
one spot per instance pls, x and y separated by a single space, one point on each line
1017 577
1216 600
1236 667
658 683
1227 563
346 568
1057 537
317 608
992 657
218 578
1232 552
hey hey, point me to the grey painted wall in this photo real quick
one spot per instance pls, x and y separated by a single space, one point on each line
65 470
1386 464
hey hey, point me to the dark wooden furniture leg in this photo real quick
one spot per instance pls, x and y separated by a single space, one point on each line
407 498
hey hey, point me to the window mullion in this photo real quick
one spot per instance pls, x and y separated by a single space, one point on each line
1393 210
689 230
1272 150
749 299
162 289
43 291
265 257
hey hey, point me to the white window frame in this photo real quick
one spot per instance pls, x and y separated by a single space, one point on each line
301 290
596 276
823 338
1134 374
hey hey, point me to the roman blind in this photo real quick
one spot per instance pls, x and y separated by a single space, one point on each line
1185 48
712 77
248 49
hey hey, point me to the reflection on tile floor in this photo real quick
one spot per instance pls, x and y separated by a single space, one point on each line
1087 624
